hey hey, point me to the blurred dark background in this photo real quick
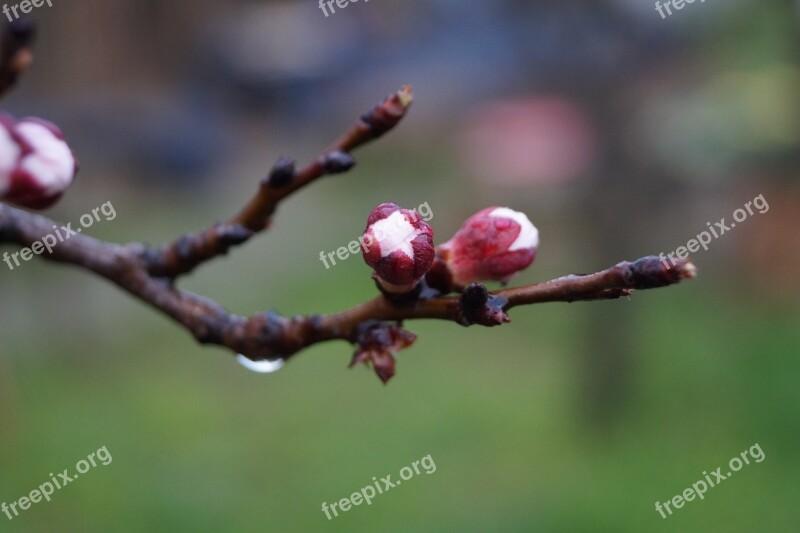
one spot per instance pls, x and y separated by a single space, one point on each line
621 134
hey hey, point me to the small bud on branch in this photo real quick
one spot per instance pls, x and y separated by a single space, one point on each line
398 244
479 306
493 244
337 162
36 164
282 173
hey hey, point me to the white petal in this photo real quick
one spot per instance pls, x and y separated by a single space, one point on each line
394 233
51 161
528 234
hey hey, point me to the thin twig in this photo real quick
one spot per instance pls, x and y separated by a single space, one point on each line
188 252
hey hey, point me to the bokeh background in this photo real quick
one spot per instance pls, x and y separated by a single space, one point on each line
620 133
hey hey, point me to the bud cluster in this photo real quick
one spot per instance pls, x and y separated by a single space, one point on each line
494 244
36 164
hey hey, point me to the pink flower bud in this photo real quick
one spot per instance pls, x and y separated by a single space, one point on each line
36 164
493 244
398 245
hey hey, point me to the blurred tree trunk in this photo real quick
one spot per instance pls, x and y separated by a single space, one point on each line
626 194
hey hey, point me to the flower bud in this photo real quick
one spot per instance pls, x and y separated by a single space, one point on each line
36 164
378 344
493 244
398 245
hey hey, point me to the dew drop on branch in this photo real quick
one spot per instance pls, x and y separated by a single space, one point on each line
267 366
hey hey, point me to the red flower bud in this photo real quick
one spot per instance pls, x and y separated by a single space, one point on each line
398 245
36 164
493 244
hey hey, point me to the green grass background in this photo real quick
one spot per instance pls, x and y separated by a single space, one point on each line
201 444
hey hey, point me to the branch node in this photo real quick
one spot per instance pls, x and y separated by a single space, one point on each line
478 306
651 272
233 235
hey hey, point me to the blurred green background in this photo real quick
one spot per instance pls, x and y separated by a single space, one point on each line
620 134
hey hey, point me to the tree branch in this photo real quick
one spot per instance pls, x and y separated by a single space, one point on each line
269 335
148 274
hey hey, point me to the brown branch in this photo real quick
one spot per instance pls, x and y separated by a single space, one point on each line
615 282
620 280
184 255
269 335
148 274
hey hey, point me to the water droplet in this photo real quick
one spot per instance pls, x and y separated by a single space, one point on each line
267 366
